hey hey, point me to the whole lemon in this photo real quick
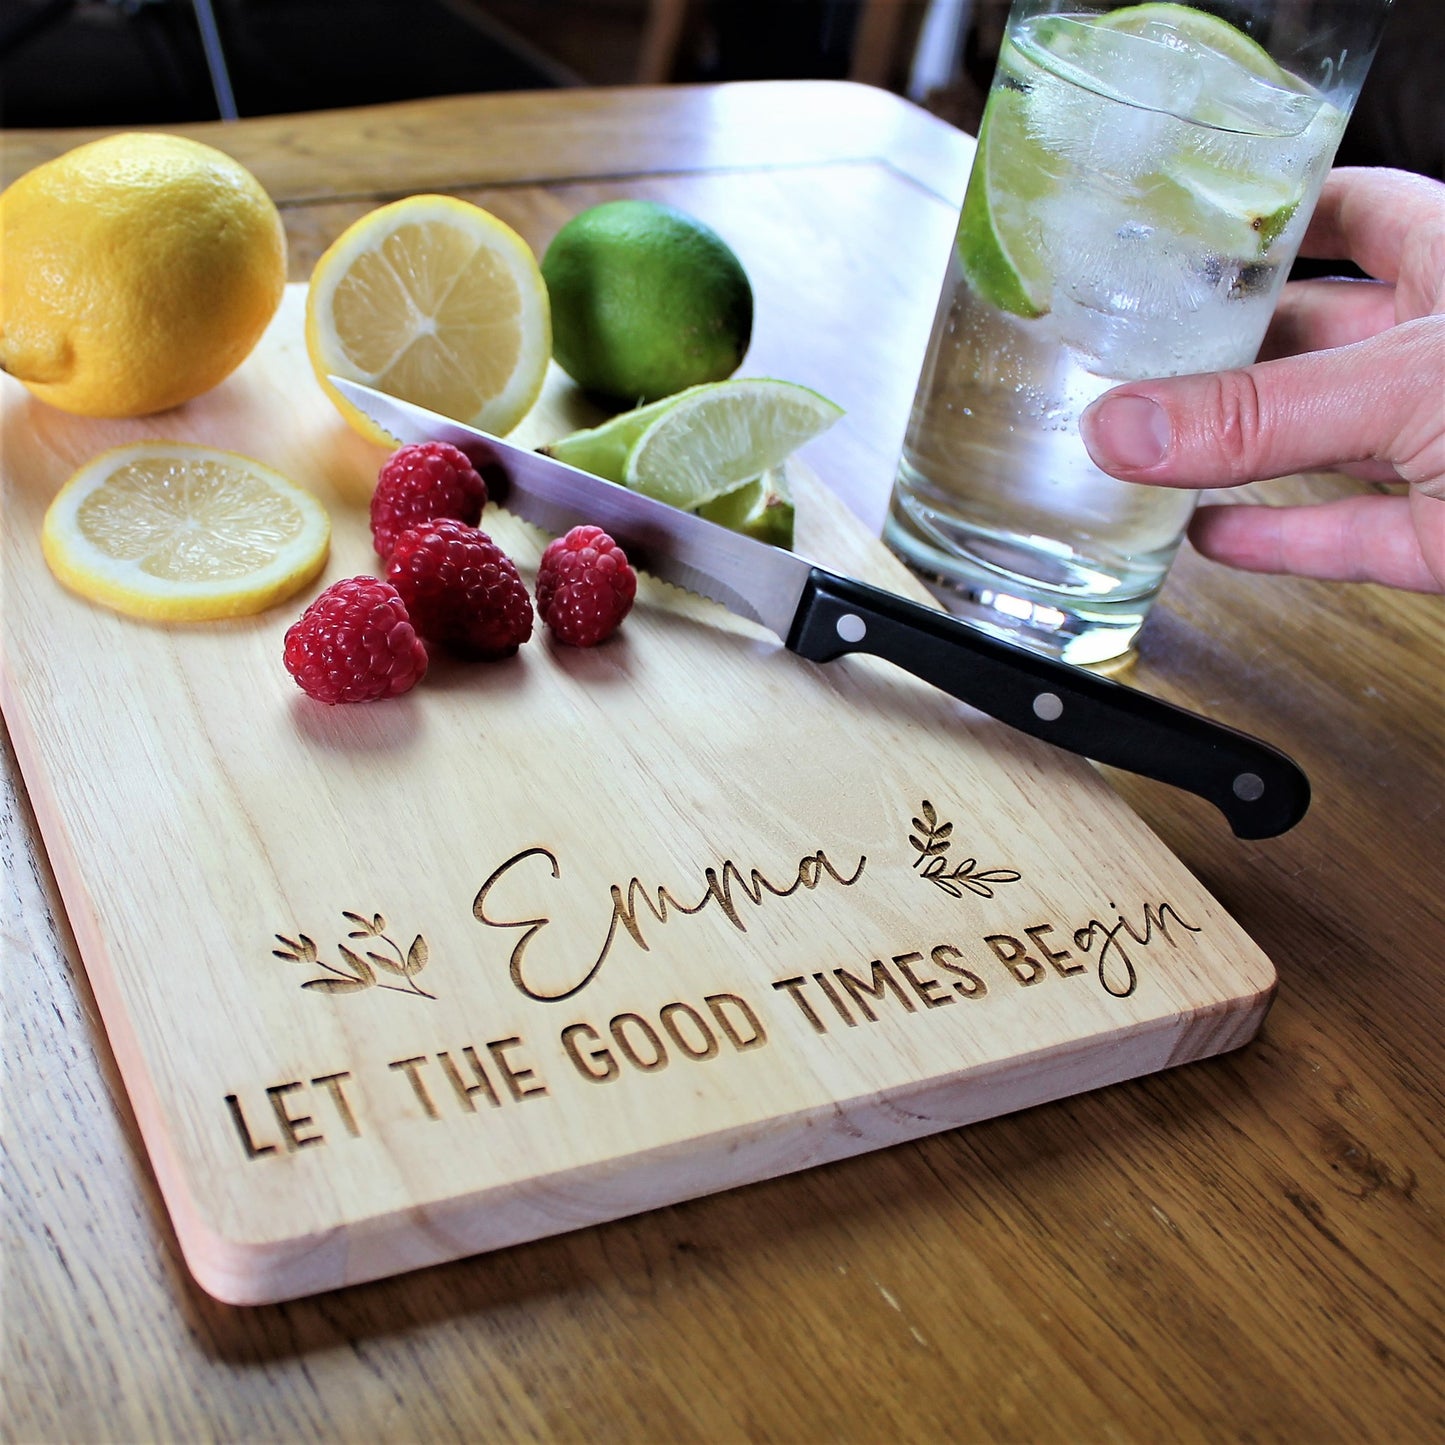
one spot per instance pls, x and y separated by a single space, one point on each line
136 272
646 301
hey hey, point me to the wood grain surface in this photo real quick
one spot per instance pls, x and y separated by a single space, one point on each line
1248 1248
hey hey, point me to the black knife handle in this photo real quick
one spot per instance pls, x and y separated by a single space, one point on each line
1257 788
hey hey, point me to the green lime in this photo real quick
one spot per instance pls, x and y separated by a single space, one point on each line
646 301
714 438
761 508
998 234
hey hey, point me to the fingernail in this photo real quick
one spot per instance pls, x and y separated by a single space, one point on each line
1126 431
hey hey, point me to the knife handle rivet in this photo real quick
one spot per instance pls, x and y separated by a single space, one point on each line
1249 787
1048 706
851 627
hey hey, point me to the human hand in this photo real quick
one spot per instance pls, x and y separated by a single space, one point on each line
1352 379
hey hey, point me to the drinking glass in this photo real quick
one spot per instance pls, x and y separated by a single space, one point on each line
1143 178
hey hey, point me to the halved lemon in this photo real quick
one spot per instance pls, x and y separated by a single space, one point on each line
183 533
436 301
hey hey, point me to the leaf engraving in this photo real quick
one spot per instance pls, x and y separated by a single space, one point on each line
299 949
357 969
359 966
387 965
335 985
931 840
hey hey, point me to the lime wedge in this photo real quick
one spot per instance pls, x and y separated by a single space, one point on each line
761 508
603 450
997 243
715 437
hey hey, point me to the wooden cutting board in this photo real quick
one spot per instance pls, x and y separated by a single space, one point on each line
567 937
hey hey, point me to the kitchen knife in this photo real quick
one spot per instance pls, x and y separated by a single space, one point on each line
821 616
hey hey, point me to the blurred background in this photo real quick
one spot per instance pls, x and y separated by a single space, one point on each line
149 62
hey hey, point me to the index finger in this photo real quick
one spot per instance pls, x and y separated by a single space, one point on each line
1388 222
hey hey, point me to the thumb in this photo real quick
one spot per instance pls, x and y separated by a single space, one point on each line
1374 401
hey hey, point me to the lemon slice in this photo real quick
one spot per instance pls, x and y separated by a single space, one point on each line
999 238
436 301
183 533
717 436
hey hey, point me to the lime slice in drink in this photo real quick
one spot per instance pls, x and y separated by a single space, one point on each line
1186 28
1208 185
998 235
1197 191
1233 216
761 508
715 437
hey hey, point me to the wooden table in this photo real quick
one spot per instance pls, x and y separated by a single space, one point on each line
1248 1248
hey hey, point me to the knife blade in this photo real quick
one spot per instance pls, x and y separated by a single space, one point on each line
821 616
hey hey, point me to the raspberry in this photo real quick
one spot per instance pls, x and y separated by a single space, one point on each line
585 586
420 482
355 643
461 589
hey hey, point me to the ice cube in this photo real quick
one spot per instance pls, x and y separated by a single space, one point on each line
1110 264
1252 104
1145 70
1089 131
1161 68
